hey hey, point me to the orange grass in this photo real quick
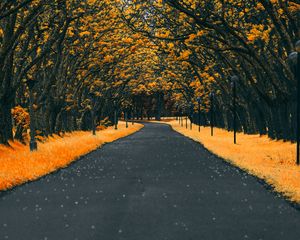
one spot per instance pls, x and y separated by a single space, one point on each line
18 165
273 161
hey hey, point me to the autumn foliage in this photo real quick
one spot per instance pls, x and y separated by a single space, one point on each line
21 121
18 165
74 62
272 161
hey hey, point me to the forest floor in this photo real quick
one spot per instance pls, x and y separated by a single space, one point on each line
270 160
18 165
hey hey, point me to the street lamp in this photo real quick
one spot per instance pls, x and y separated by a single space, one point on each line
92 98
199 116
294 59
178 114
132 115
115 115
234 80
126 117
33 143
191 115
211 96
186 117
181 116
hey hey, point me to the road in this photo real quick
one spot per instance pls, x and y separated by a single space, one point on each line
152 185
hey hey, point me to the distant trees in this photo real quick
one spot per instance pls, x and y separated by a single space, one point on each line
208 41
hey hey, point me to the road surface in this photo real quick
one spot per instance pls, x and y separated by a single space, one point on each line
152 185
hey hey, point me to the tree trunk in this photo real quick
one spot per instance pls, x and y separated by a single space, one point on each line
159 106
6 126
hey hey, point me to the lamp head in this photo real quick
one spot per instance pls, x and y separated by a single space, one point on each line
297 46
292 59
234 78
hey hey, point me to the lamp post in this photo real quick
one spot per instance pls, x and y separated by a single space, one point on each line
126 118
199 115
186 119
115 116
294 59
234 80
92 98
211 96
191 115
132 115
181 115
33 143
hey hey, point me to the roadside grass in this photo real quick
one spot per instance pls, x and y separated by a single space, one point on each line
18 165
272 161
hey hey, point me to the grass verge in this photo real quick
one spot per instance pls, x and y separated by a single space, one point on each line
18 165
272 161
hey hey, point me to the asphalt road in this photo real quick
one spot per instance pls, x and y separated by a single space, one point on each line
153 185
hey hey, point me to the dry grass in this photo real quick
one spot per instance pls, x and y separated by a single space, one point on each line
18 165
273 161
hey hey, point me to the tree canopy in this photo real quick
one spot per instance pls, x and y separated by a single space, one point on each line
74 62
